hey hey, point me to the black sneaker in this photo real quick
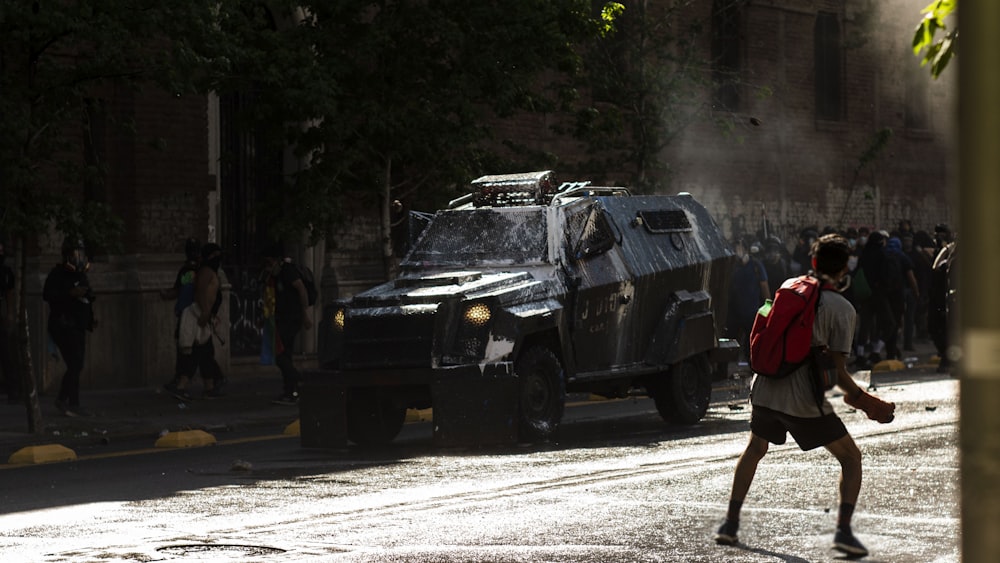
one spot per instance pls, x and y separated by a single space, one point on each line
287 400
727 533
845 542
215 393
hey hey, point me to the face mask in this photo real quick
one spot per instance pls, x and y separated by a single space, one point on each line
78 261
845 282
863 241
744 258
853 242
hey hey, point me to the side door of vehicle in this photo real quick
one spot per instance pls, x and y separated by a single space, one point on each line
602 290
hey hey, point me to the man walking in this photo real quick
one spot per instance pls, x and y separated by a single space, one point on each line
796 405
71 316
286 301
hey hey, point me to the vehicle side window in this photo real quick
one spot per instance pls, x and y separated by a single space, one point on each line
590 233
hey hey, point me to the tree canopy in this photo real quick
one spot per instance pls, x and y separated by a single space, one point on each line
401 93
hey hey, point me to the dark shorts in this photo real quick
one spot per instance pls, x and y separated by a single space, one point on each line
809 433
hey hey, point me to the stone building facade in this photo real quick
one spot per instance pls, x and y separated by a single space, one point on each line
791 156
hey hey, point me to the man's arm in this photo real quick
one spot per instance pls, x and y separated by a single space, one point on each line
855 396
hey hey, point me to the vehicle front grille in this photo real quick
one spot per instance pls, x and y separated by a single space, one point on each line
388 340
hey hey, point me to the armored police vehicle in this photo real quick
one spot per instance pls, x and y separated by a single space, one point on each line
517 294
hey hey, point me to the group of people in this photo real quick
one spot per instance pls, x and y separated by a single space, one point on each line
197 296
898 285
877 286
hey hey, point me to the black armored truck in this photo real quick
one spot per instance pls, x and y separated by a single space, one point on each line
517 294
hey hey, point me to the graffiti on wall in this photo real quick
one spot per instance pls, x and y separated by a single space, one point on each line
245 311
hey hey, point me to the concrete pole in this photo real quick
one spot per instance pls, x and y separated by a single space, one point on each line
978 329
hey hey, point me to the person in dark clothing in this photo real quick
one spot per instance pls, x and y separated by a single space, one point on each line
290 311
941 303
776 263
923 254
800 254
877 326
197 329
182 292
71 315
11 379
748 289
902 291
942 236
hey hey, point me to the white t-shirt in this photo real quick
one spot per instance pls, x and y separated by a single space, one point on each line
795 395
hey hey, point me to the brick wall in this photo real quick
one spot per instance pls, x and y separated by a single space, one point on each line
795 169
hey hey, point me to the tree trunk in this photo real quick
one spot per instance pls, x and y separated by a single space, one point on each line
29 392
389 261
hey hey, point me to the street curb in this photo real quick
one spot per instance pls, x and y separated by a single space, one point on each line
46 453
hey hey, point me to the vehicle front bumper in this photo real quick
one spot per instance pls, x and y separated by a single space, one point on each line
473 404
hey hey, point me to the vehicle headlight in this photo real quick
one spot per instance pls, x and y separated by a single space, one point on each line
338 319
477 315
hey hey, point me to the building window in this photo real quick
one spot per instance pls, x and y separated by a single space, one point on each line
726 15
828 67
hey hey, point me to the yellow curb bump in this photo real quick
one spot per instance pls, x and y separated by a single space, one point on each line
42 454
185 439
889 365
293 429
419 415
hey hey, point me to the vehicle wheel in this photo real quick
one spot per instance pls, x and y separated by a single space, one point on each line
682 396
542 394
372 418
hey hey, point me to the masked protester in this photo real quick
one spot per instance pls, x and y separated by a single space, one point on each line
748 288
197 330
286 310
71 315
789 405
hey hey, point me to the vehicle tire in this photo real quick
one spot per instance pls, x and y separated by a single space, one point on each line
372 418
541 394
682 397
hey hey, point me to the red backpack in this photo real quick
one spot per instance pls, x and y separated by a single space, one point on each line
781 337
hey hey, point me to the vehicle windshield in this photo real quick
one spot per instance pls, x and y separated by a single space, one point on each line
485 237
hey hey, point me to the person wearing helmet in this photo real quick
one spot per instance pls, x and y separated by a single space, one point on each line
71 315
182 292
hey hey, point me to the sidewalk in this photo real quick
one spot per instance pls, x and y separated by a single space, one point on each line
141 415
138 414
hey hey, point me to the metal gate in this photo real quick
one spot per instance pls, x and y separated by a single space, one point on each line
249 170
